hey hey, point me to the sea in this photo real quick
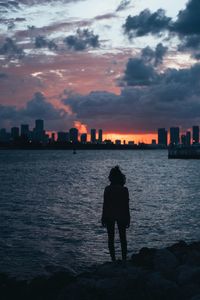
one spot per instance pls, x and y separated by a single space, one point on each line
51 205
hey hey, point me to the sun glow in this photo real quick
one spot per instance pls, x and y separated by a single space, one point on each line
137 138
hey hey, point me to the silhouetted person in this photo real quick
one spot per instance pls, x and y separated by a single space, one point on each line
116 210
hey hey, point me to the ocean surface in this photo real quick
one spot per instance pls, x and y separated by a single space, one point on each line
51 203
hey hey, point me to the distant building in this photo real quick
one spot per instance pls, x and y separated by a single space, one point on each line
53 137
38 132
174 135
183 139
118 142
195 134
131 143
188 138
73 135
4 136
93 136
108 142
100 137
162 136
84 138
14 133
25 133
153 142
62 137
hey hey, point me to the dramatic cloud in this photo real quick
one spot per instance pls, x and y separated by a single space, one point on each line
188 21
138 72
146 23
172 100
42 42
37 107
10 49
82 40
154 56
123 5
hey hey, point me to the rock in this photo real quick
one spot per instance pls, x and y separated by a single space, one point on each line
197 297
188 274
144 258
164 260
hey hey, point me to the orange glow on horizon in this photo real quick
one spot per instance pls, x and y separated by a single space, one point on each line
137 138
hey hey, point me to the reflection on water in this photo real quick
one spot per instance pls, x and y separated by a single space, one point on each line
51 201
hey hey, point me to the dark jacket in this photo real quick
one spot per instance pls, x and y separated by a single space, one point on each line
116 204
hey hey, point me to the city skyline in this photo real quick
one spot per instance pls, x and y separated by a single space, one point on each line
119 65
164 136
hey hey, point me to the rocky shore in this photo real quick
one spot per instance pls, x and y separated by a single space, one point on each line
170 273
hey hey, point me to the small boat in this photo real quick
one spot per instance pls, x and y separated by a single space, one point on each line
74 151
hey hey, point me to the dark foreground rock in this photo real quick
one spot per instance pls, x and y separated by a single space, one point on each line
152 274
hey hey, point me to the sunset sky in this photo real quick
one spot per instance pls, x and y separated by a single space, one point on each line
128 67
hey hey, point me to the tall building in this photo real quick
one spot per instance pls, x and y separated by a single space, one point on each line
25 131
53 137
14 133
100 137
62 137
84 138
183 139
93 136
39 125
195 134
174 135
4 136
38 132
162 136
188 138
73 135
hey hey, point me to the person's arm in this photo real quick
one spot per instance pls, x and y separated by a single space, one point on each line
104 212
128 210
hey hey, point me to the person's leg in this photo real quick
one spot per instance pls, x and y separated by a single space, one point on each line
123 241
111 237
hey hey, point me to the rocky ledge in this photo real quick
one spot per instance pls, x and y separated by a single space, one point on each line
171 273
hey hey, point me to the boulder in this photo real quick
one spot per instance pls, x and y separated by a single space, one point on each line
164 260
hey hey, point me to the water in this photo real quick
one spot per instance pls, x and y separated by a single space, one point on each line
51 202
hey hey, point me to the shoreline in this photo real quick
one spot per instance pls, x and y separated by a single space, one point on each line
168 273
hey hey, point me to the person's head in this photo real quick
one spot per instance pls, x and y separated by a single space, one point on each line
116 176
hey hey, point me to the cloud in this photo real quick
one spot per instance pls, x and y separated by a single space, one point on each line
138 72
172 100
124 4
37 107
188 21
146 23
42 42
10 49
154 56
82 40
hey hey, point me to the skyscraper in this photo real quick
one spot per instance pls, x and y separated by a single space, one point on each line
188 138
162 136
73 135
25 131
93 136
62 137
195 134
84 138
100 137
14 133
39 133
174 135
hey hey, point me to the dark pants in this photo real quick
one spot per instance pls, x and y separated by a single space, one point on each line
111 238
